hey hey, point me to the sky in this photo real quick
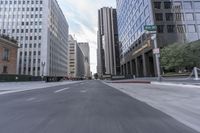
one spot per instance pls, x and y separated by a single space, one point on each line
82 17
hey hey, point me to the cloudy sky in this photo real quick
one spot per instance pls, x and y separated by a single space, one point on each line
82 18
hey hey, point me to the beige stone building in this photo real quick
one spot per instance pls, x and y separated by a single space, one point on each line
8 56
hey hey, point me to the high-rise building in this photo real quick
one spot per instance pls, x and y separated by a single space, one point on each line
42 32
80 67
72 57
108 44
84 47
176 20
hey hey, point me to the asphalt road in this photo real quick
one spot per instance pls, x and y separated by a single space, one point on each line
88 107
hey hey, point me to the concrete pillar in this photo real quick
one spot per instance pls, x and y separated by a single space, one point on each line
136 65
144 65
122 70
131 67
125 68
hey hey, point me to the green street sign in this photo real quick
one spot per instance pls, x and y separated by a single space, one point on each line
150 27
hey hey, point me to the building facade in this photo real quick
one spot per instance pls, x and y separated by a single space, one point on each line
8 54
84 47
72 57
80 59
108 44
42 32
176 20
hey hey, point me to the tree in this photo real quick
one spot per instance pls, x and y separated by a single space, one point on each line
181 56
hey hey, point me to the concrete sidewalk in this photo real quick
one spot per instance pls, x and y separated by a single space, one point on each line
182 103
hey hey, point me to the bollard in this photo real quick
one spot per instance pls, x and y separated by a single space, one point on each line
196 73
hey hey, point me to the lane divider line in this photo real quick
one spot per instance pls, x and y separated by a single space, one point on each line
31 99
61 90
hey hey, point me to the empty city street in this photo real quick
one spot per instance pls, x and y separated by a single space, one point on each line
82 107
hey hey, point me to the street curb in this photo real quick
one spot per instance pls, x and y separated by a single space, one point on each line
175 84
135 81
156 83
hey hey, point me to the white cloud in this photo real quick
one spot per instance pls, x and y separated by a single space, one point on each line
82 16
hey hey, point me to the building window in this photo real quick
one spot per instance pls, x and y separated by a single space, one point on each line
169 17
5 69
167 5
191 28
187 5
198 26
197 5
179 16
197 16
160 28
159 16
170 28
177 5
189 16
5 54
181 28
157 5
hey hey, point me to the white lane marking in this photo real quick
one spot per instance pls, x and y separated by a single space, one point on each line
83 91
31 99
61 90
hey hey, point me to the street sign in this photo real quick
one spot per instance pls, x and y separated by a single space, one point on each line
150 27
156 51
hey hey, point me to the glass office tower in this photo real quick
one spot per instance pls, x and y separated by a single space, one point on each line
176 20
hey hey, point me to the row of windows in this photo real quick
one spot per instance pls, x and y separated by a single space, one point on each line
21 2
30 45
21 16
177 16
191 28
29 38
31 23
23 31
22 9
29 70
29 62
18 38
177 4
30 53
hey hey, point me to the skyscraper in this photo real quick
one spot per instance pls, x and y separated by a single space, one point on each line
42 32
176 20
80 66
72 57
108 46
84 47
